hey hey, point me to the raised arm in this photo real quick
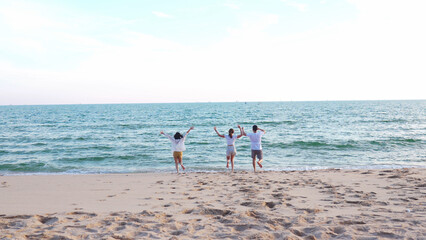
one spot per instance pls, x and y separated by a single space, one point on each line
167 135
262 130
241 132
220 135
189 130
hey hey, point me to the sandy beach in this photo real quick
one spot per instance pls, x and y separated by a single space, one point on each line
322 204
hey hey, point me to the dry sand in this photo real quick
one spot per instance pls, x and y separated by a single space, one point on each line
323 204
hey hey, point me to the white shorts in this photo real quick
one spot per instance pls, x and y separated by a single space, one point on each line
231 151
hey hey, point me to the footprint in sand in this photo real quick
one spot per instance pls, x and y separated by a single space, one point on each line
46 220
248 204
338 230
278 195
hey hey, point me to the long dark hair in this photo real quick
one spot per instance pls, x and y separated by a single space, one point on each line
178 135
231 131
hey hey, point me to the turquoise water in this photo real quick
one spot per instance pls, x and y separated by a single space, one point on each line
125 137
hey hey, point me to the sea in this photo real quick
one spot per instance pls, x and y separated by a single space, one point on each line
125 138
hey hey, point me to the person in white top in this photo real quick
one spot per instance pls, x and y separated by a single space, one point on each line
256 145
230 141
178 146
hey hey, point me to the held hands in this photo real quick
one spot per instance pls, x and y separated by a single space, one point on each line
161 132
215 128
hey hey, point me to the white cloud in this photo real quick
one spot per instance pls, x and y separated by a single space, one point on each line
254 28
232 5
27 18
299 6
161 14
380 55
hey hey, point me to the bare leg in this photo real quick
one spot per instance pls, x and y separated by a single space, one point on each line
180 162
259 162
254 164
232 162
227 161
177 166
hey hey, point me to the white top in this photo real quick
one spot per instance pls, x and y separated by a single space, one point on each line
230 141
256 139
178 145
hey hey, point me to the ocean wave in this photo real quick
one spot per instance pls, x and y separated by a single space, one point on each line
311 144
83 159
131 157
32 166
38 144
48 125
200 143
380 143
30 151
274 123
406 140
269 123
86 147
344 145
398 120
104 158
396 141
197 169
133 125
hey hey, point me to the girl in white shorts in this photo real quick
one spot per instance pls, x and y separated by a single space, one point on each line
230 149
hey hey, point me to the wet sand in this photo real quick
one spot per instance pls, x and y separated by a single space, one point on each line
322 204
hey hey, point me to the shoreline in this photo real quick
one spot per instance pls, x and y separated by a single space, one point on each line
224 170
312 204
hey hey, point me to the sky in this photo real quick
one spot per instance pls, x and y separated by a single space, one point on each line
140 51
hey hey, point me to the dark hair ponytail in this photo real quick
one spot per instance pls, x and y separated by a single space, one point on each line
178 135
231 131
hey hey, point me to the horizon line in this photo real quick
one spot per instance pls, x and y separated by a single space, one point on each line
122 103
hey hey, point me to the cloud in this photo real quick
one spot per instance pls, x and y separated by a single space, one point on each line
20 16
299 6
232 5
254 28
379 55
161 14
